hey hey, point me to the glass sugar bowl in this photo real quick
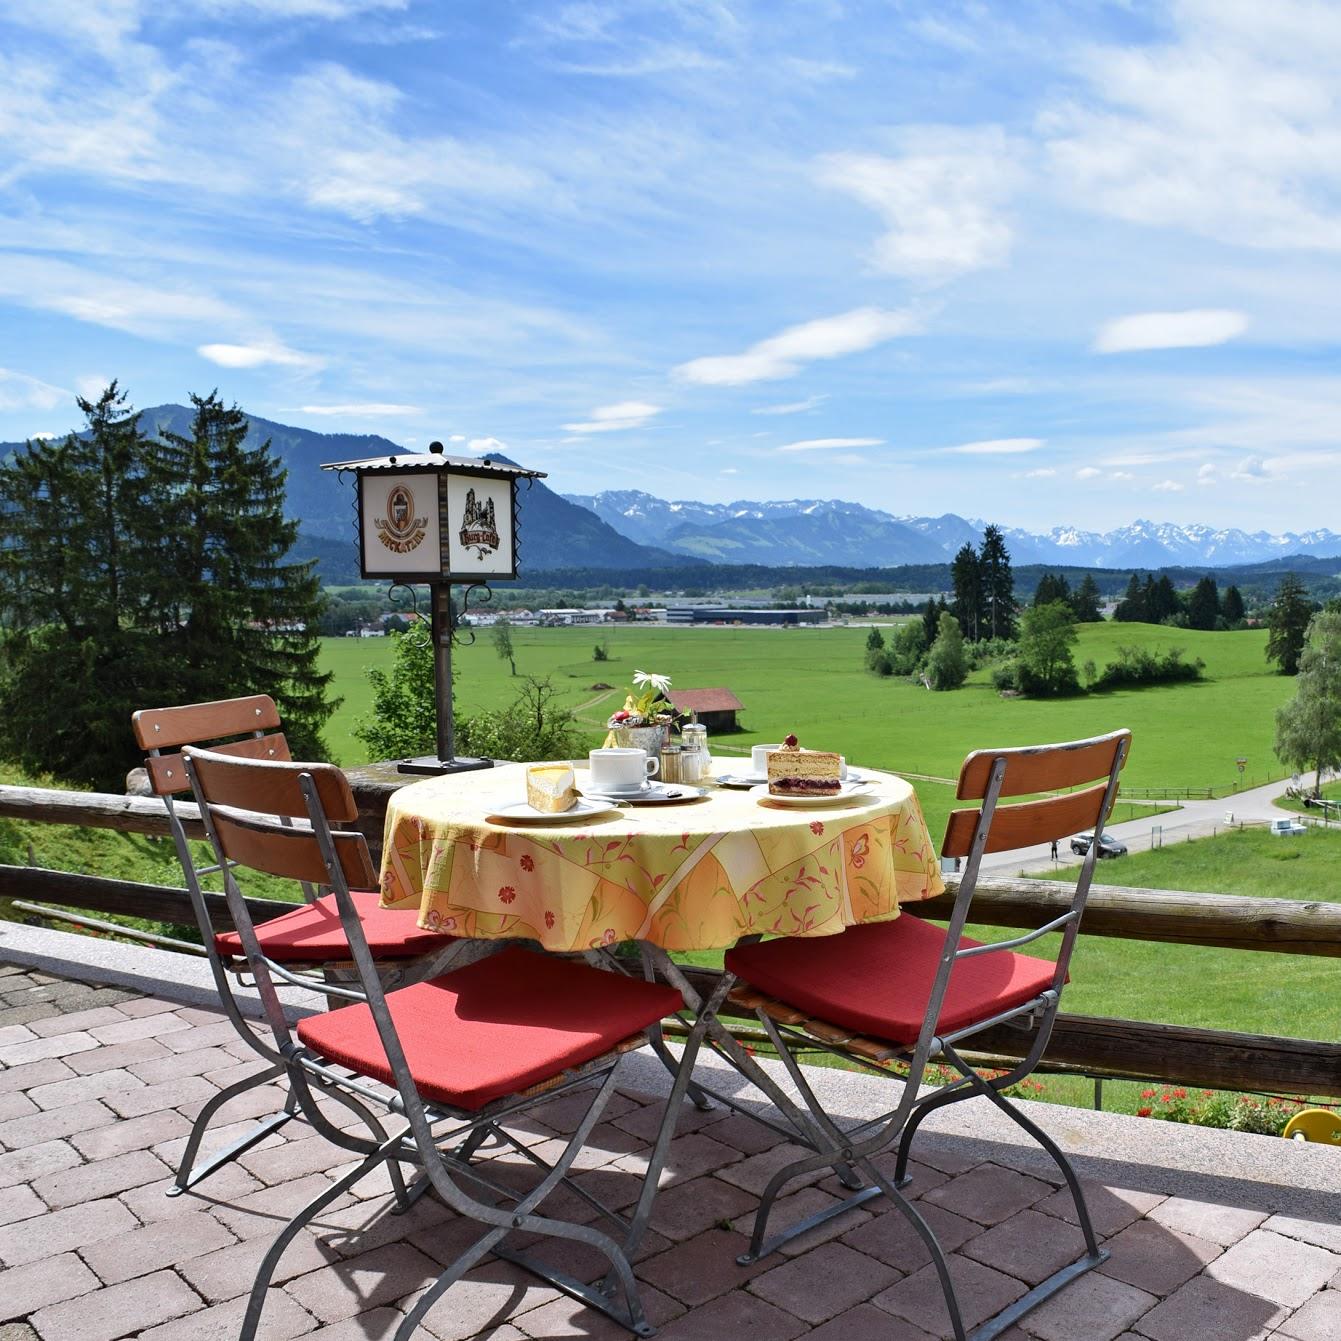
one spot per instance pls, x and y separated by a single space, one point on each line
695 763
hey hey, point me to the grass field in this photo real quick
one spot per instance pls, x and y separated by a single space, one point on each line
812 681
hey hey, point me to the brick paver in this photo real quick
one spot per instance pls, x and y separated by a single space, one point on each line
98 1088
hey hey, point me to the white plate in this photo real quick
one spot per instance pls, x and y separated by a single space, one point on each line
523 812
847 791
739 779
658 794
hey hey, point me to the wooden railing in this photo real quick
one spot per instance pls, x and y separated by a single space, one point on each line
1089 1045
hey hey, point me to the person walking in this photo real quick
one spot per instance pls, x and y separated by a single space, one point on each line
1054 849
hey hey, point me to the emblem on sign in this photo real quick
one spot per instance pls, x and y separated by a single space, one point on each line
400 530
479 530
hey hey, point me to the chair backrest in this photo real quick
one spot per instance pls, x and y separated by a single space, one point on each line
988 775
1028 770
162 732
276 818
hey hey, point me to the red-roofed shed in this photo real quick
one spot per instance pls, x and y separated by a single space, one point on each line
715 708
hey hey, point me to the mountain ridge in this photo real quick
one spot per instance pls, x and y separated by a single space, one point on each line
785 533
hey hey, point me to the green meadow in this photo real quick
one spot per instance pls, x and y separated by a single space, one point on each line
812 681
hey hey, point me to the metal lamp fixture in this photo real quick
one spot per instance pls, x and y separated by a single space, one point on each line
438 519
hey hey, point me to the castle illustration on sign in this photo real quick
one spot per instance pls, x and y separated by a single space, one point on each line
479 530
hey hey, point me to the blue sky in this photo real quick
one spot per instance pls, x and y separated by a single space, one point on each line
1036 262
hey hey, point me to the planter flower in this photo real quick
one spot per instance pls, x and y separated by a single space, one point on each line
645 720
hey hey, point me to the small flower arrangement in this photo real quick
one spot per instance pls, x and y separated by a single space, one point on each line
646 704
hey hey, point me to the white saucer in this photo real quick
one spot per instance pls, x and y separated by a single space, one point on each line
846 793
739 779
655 794
523 812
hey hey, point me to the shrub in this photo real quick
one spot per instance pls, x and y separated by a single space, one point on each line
1006 676
1137 666
1205 1108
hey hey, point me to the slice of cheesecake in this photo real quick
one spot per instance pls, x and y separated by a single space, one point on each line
793 771
551 788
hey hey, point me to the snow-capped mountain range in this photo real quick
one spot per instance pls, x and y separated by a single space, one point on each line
830 531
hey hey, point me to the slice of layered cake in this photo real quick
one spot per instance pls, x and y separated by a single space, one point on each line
551 787
793 771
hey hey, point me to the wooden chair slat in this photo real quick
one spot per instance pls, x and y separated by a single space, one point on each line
167 775
168 728
1039 768
290 853
1027 823
272 788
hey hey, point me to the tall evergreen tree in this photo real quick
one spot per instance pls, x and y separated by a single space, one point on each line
930 620
1287 622
966 575
1164 601
1131 609
1203 606
1085 601
75 594
1231 607
998 586
1052 587
247 621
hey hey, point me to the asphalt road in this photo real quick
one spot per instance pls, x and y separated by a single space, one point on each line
1193 819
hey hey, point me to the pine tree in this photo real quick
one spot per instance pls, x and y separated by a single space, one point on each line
998 586
1287 622
1085 602
1203 606
246 620
1131 609
1231 607
1164 602
966 575
930 620
1052 587
74 593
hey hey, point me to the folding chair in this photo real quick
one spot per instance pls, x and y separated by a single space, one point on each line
908 992
449 1060
310 937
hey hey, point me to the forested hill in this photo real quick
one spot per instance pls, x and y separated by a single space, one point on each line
551 530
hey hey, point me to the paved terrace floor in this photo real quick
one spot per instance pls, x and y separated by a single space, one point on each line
1213 1235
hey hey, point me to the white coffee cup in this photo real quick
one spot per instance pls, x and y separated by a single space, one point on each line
620 770
759 758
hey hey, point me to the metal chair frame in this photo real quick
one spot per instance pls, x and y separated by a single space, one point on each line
851 1152
188 1175
439 1140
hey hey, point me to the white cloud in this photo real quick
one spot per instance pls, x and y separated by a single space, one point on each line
1230 128
1206 476
257 355
1169 330
614 418
1088 473
457 437
792 407
1121 475
18 391
1045 473
1167 487
784 354
374 409
486 446
829 444
942 201
997 447
729 470
1251 468
92 385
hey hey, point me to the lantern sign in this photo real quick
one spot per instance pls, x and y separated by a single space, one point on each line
438 519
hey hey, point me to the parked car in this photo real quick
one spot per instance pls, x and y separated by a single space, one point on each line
1108 847
1286 827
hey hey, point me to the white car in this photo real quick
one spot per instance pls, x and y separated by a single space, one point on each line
1286 827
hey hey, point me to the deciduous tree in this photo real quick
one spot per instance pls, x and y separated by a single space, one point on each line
1308 728
1047 635
947 662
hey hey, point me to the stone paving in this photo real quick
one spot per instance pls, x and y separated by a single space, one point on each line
97 1086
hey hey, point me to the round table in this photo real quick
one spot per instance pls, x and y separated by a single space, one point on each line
694 876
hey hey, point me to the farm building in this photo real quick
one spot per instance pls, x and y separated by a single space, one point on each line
715 708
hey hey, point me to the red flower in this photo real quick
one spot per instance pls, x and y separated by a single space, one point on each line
549 920
816 828
1143 1112
527 862
506 894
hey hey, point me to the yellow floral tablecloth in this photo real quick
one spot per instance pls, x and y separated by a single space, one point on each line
685 877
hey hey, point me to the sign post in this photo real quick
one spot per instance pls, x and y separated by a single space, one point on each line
438 519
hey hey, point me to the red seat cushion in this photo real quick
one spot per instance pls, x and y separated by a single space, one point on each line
496 1027
876 979
312 933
